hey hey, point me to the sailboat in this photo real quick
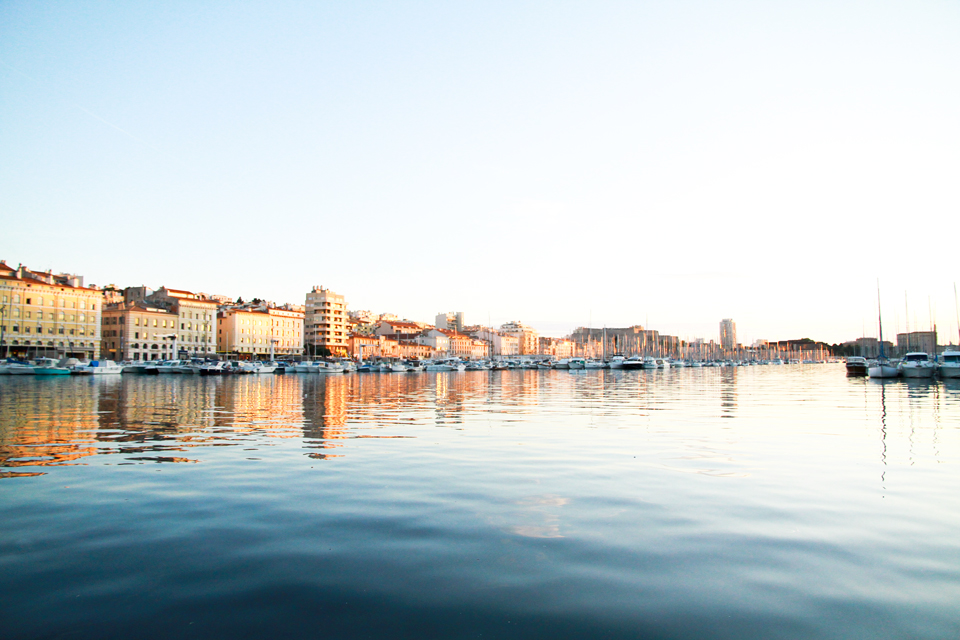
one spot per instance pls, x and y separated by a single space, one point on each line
881 367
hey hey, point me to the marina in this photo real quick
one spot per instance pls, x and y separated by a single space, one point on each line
683 502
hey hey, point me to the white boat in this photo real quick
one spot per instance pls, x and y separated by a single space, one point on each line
917 364
398 367
165 366
307 366
594 364
633 362
616 362
563 363
450 364
19 369
134 367
98 368
215 368
950 364
881 367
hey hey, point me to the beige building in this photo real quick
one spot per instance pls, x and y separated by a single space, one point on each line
527 337
269 332
325 324
137 331
47 314
196 316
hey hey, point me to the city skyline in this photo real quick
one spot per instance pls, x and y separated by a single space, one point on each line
584 165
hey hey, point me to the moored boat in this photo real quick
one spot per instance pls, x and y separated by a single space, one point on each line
856 366
49 367
97 368
950 364
917 364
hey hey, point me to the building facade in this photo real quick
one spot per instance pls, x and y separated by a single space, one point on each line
260 333
325 323
452 321
728 334
137 331
197 318
527 337
47 314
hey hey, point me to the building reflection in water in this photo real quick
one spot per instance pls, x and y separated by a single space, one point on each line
55 426
728 392
61 421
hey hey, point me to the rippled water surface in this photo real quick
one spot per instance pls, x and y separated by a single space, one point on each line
758 502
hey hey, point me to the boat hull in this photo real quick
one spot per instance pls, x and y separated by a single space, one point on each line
883 371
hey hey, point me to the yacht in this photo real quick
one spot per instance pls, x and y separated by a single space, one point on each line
917 364
856 366
49 367
19 369
134 367
215 368
616 362
98 368
576 363
633 362
594 364
950 364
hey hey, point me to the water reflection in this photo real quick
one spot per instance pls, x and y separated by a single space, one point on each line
141 419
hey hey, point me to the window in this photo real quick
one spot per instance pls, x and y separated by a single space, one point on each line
16 298
40 301
28 301
61 316
39 315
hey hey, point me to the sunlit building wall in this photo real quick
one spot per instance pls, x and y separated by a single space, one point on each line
325 324
42 313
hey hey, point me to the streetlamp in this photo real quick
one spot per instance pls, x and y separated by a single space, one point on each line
3 329
173 337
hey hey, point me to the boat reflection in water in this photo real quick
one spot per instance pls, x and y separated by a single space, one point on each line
735 502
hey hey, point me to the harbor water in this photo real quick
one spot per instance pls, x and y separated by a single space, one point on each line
750 502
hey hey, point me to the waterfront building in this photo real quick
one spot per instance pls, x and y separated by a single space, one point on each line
196 319
325 323
925 341
500 344
436 339
558 347
136 331
362 346
527 337
452 321
47 314
399 328
728 334
260 331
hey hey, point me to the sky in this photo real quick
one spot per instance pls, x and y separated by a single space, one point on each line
667 164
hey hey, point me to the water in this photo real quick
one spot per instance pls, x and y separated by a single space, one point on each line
759 502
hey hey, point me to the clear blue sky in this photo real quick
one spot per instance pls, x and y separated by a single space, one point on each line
560 163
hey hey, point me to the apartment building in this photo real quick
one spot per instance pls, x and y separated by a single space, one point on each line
137 331
325 323
527 337
260 332
47 314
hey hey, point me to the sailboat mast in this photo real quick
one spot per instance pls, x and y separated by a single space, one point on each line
879 318
956 308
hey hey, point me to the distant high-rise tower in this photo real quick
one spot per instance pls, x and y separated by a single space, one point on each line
728 334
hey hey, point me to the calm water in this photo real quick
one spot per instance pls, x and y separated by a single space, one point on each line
761 502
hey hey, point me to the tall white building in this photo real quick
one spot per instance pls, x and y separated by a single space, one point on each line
728 334
325 323
452 321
